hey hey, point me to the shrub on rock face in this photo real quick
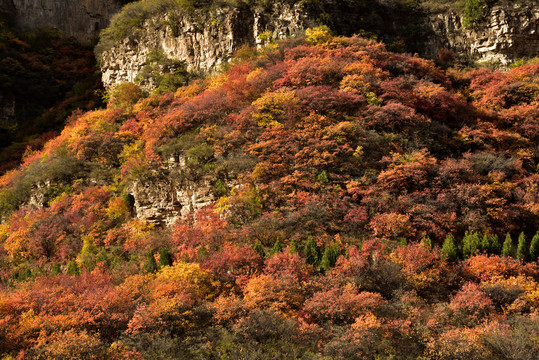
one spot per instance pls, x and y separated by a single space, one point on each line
474 11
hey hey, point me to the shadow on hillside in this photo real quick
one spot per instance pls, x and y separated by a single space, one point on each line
399 24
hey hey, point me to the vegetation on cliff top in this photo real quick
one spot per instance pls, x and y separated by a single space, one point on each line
361 199
134 14
396 21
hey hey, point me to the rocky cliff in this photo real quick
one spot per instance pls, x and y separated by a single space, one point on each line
82 19
202 39
508 32
206 39
166 196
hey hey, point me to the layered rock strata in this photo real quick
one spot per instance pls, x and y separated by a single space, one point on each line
507 33
202 40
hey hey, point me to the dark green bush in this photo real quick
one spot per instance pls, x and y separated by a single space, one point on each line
165 258
330 256
474 12
150 266
162 73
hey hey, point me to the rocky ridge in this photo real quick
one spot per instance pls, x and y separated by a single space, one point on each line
206 40
203 40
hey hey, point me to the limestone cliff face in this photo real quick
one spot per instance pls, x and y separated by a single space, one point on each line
170 194
164 197
508 33
161 198
204 40
82 19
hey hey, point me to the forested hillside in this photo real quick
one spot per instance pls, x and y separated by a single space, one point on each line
367 205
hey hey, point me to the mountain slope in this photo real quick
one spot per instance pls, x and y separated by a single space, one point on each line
275 211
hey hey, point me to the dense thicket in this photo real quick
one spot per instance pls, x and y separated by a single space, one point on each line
368 205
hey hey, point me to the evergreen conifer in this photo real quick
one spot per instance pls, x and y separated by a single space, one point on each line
312 252
427 241
150 266
490 244
294 247
470 244
259 249
522 251
277 247
449 248
534 247
507 249
330 256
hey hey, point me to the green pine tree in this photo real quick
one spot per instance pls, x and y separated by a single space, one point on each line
294 247
534 247
485 243
259 249
311 252
150 266
507 249
330 256
522 251
496 247
165 258
470 243
277 247
490 244
427 242
449 248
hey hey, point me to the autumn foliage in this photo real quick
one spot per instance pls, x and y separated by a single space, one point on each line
361 199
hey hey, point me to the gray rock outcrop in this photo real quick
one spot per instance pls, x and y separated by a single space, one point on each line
81 19
163 198
508 33
204 40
